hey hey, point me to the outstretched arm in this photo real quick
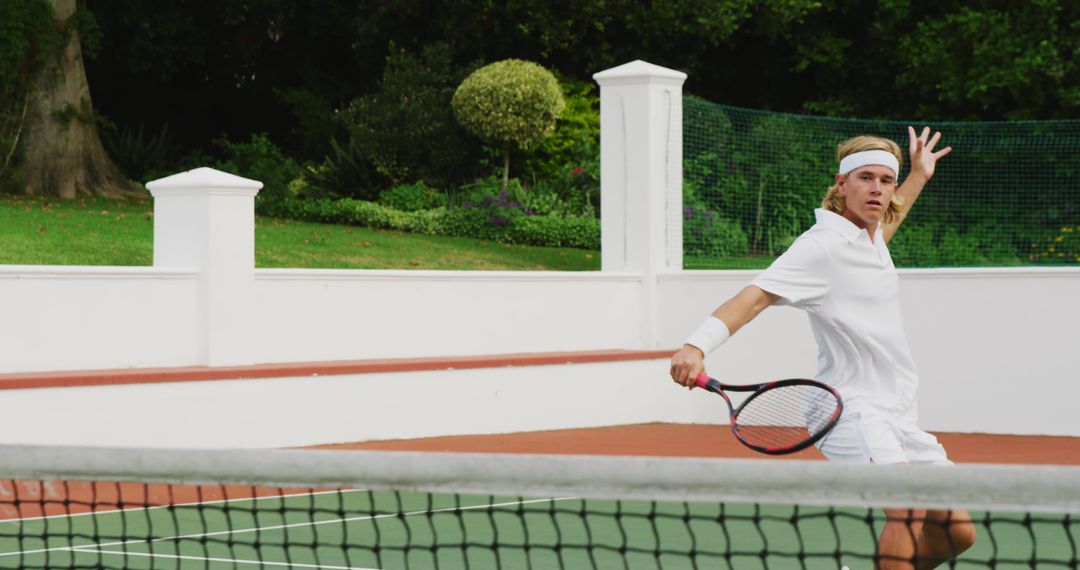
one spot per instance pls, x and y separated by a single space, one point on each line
689 361
923 163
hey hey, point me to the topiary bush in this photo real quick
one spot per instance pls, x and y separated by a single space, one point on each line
510 103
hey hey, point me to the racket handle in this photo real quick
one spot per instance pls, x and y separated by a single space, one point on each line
702 380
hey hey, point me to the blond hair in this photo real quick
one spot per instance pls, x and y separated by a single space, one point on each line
834 201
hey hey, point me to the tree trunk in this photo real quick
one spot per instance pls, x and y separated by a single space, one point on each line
64 155
506 167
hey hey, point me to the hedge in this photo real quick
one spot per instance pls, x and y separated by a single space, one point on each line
511 227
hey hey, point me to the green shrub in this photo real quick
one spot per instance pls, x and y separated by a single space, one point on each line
575 143
936 244
142 156
259 159
706 234
573 191
315 123
345 173
914 245
959 249
412 197
572 194
1061 247
481 223
406 129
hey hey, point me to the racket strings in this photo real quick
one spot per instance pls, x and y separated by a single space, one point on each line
786 416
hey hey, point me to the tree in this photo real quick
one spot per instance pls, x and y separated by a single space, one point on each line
63 154
511 103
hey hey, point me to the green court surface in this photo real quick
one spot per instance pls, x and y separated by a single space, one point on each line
361 529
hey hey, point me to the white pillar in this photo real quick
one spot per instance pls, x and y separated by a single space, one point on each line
205 219
640 168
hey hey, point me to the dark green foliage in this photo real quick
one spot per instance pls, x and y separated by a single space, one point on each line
406 128
1004 184
573 190
346 173
765 172
933 244
140 156
315 127
222 64
27 38
708 234
1016 60
412 197
285 68
576 139
260 159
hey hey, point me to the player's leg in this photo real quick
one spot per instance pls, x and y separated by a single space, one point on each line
945 535
898 543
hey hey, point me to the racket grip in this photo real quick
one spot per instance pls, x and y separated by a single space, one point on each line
702 380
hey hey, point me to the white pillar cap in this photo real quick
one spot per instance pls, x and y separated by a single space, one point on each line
638 71
213 181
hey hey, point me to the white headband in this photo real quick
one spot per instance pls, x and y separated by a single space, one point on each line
868 157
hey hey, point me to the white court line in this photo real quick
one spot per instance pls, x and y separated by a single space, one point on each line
229 560
92 547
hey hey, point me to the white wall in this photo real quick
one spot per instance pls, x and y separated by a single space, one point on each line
64 318
342 315
996 348
282 412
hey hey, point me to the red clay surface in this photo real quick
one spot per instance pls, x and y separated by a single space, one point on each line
716 441
32 499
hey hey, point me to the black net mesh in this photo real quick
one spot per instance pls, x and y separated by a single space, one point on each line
61 523
1007 195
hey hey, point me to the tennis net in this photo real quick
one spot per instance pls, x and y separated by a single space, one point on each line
137 508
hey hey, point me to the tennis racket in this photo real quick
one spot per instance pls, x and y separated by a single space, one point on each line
780 417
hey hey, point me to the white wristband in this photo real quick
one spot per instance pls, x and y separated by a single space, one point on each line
710 335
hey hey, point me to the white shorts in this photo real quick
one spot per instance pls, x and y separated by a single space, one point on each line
862 437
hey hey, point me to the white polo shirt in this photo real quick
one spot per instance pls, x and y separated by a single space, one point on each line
849 287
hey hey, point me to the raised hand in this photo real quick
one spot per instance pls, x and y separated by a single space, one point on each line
921 148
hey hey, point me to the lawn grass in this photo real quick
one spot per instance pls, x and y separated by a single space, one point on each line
93 231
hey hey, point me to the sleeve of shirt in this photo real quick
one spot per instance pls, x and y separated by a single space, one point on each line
800 277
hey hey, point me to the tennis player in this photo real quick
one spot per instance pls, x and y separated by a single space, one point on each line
840 272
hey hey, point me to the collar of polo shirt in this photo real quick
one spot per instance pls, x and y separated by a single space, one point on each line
839 223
